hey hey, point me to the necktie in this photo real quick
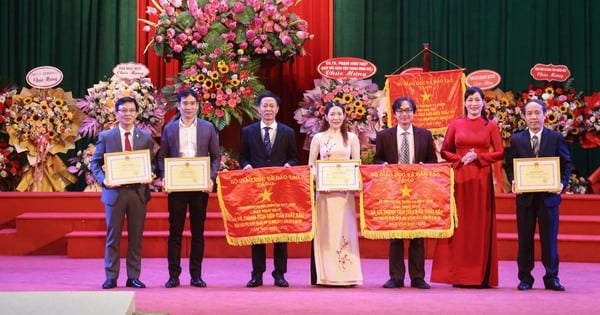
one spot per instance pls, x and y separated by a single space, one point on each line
127 142
267 140
535 145
404 154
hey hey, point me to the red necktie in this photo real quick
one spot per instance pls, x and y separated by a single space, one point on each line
127 142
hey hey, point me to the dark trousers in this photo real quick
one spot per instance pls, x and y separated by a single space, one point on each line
178 205
259 258
547 219
416 259
131 205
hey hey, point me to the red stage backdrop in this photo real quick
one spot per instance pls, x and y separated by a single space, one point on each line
407 201
266 205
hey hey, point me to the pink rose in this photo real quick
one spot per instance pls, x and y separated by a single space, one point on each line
250 34
171 32
302 34
158 38
177 48
257 43
182 37
286 40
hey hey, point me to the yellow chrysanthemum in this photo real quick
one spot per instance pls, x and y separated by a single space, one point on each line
549 90
234 82
214 75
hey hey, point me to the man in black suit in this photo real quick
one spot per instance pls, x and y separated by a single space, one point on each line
188 136
123 200
542 207
405 144
268 143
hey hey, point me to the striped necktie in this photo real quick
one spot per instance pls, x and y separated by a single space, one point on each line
535 145
404 154
267 139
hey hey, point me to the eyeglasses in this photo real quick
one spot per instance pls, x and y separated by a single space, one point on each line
127 111
404 111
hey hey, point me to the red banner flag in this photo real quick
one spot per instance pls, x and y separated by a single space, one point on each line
267 205
438 94
407 201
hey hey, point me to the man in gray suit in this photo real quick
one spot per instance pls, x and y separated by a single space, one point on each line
405 144
268 143
188 136
125 200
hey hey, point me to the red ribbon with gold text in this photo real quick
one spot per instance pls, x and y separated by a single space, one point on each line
407 201
267 205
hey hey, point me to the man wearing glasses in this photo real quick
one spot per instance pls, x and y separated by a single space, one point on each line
123 200
405 144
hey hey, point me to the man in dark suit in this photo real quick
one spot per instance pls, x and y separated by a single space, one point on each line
125 200
542 207
405 144
268 143
188 136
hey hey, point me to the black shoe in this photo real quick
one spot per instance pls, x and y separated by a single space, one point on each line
391 284
279 280
172 282
524 286
256 281
197 282
109 284
553 284
420 284
135 283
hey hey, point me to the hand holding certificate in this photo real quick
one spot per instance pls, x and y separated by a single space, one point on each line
338 175
537 175
128 167
187 174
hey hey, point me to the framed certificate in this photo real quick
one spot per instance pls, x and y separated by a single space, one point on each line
537 174
338 175
187 174
128 167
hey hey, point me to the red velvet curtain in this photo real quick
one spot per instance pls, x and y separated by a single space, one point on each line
288 80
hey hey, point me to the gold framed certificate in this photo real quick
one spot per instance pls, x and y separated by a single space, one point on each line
338 175
128 167
537 174
187 174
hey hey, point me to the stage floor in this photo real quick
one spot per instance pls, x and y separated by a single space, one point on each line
226 292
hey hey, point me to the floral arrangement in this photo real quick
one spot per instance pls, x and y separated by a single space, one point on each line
5 103
357 97
43 123
564 107
99 105
577 184
11 166
591 119
502 109
228 161
80 164
366 154
225 84
263 28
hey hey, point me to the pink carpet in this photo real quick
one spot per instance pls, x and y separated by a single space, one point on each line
226 292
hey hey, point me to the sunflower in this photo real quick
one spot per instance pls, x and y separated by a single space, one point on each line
358 102
337 100
214 75
575 131
360 110
44 106
51 134
564 108
521 123
27 100
234 81
208 84
218 85
492 106
59 102
223 68
551 117
501 116
36 117
347 97
348 109
505 101
505 134
549 90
